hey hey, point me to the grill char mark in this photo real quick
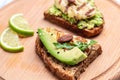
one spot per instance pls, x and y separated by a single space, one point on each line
88 12
80 7
60 1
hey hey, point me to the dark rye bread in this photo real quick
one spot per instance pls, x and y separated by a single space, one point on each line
65 72
65 24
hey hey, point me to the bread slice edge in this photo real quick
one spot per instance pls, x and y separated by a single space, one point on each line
67 25
59 69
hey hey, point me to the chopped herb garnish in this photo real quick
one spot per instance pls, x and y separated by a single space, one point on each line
63 46
81 45
92 42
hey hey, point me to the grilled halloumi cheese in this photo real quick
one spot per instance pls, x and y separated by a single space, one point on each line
79 9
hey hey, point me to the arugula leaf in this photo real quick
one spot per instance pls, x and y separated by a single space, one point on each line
81 45
92 42
63 46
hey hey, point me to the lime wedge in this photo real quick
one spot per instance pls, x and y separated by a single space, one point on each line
9 41
20 25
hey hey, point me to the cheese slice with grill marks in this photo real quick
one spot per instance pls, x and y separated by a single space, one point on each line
79 9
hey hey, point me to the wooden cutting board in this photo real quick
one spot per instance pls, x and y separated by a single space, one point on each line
27 65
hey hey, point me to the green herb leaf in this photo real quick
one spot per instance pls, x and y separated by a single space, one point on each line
63 46
92 42
81 45
58 45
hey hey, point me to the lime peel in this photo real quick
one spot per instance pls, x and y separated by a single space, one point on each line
20 25
5 41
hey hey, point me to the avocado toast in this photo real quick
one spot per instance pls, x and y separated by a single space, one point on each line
80 16
66 56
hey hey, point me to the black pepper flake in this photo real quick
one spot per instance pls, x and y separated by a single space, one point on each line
58 52
51 34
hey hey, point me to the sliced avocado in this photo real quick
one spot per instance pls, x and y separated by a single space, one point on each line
69 57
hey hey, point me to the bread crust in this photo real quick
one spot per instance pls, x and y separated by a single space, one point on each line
66 72
65 24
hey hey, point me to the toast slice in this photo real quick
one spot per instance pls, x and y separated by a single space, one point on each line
61 70
72 27
78 16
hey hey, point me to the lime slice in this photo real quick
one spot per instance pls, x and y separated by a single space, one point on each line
9 41
20 25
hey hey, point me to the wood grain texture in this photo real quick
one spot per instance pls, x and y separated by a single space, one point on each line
27 65
116 76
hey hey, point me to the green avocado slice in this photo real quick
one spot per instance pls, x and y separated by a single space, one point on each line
69 57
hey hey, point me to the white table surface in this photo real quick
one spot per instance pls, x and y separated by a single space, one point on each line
117 1
5 2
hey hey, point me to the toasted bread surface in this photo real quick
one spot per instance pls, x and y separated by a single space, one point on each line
65 24
61 70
